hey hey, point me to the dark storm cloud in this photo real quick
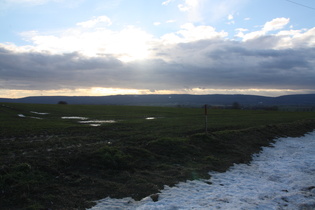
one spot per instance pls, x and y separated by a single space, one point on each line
47 71
204 64
233 65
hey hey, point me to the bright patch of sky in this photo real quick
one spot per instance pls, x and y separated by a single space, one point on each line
141 45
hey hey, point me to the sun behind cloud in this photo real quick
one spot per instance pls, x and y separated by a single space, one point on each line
130 44
92 38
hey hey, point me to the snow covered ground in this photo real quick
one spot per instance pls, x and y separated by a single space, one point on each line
280 177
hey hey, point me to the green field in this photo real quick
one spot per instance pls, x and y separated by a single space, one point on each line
168 120
50 160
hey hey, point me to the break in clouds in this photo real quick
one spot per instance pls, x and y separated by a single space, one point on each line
259 60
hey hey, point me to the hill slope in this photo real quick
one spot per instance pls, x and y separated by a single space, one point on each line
174 100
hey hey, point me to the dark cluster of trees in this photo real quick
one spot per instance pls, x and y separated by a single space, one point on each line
237 105
62 102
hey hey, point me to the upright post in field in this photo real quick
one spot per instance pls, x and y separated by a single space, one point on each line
206 118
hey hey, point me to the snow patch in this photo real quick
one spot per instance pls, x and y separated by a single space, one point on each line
40 113
150 118
279 177
74 118
23 116
84 120
97 121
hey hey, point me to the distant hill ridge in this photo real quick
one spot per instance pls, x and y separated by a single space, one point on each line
174 100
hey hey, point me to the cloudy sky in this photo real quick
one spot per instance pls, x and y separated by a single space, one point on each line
96 47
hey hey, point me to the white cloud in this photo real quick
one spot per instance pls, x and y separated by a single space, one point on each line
240 32
133 43
94 21
189 5
190 33
276 24
194 33
306 39
193 9
157 23
231 19
289 33
166 2
126 44
285 39
241 29
183 8
251 35
273 25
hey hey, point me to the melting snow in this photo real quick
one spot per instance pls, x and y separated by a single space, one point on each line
150 118
22 115
280 177
74 118
40 113
98 121
84 120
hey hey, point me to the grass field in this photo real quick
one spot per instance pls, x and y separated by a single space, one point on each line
50 160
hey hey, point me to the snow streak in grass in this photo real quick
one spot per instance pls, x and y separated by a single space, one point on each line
74 118
150 118
40 113
97 121
84 120
280 177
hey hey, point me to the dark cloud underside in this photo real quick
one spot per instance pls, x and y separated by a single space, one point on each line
205 64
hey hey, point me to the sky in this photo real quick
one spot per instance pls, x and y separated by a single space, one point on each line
95 47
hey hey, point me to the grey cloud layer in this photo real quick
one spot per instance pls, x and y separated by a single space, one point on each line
204 64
